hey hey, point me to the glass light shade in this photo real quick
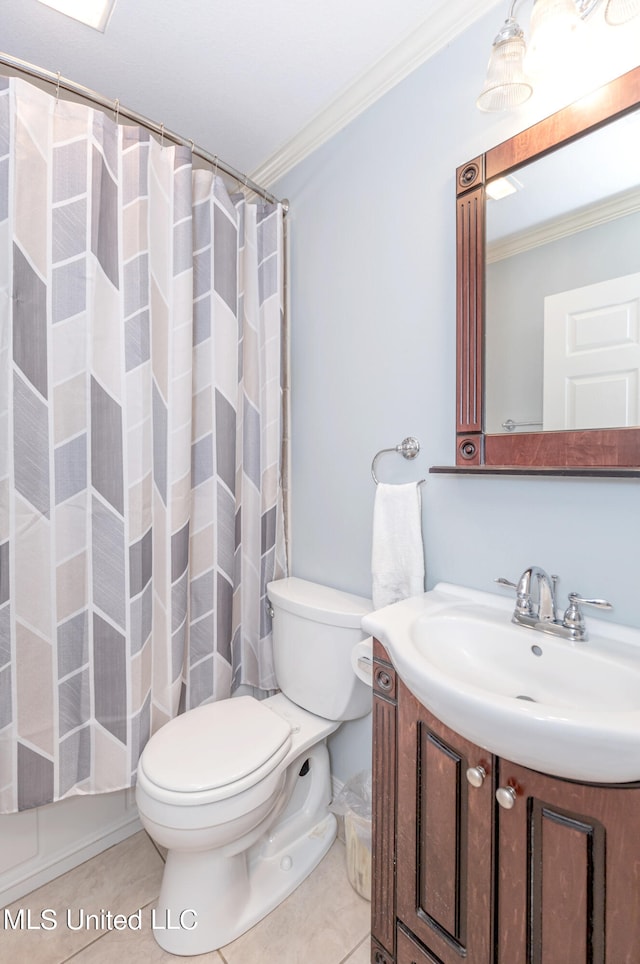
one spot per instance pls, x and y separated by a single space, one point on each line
506 85
553 26
621 11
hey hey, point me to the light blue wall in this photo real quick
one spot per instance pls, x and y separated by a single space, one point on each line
373 360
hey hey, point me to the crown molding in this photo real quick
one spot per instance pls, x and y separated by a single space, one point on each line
445 23
618 206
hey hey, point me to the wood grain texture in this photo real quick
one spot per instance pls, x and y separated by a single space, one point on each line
590 112
379 955
441 838
611 447
444 838
411 952
569 872
383 828
470 303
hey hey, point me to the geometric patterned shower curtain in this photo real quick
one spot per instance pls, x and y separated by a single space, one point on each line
140 443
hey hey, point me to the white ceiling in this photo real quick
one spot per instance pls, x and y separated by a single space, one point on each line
241 78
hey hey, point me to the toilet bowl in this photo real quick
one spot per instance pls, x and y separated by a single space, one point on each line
238 790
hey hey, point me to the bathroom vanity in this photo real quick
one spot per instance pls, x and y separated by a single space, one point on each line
482 860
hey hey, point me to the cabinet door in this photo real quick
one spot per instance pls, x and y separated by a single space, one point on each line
409 952
444 837
569 872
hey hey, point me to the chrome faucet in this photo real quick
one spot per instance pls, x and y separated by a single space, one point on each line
536 605
536 592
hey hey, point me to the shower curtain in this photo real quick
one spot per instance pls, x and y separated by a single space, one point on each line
140 442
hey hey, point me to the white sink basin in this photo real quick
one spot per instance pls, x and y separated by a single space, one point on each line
567 708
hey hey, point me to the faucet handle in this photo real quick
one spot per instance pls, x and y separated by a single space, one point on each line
573 618
575 598
523 597
505 582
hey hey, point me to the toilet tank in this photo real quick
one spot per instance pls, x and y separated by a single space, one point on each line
314 630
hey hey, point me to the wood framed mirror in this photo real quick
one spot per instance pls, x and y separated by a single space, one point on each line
596 425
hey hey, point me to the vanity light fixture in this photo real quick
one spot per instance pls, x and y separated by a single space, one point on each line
93 13
553 22
553 29
506 85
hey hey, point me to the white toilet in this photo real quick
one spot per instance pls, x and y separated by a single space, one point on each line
238 790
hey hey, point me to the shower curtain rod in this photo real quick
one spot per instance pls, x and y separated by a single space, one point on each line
62 83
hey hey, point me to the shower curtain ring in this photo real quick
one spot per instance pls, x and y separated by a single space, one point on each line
116 110
57 87
161 137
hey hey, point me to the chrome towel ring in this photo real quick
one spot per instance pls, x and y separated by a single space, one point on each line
408 449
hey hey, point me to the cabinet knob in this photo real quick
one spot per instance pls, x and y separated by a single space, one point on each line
476 775
506 797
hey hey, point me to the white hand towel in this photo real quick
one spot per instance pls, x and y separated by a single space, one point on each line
397 558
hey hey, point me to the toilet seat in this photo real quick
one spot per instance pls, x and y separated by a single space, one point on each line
216 751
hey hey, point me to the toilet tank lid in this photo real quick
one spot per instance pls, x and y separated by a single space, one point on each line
320 603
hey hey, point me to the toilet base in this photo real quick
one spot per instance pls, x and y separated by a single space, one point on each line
189 921
211 897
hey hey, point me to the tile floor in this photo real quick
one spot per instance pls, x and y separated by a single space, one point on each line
323 922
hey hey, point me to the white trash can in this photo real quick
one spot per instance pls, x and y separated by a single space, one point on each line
353 803
357 831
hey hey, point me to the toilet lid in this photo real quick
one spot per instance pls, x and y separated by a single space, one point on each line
215 745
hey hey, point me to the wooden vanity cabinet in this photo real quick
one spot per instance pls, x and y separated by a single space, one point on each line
553 880
437 882
444 837
384 796
568 885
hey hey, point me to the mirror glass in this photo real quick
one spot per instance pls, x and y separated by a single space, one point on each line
562 321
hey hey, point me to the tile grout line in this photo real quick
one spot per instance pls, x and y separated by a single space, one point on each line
81 950
218 955
156 848
355 948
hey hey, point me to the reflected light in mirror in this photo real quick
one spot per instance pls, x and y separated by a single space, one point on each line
502 187
93 13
